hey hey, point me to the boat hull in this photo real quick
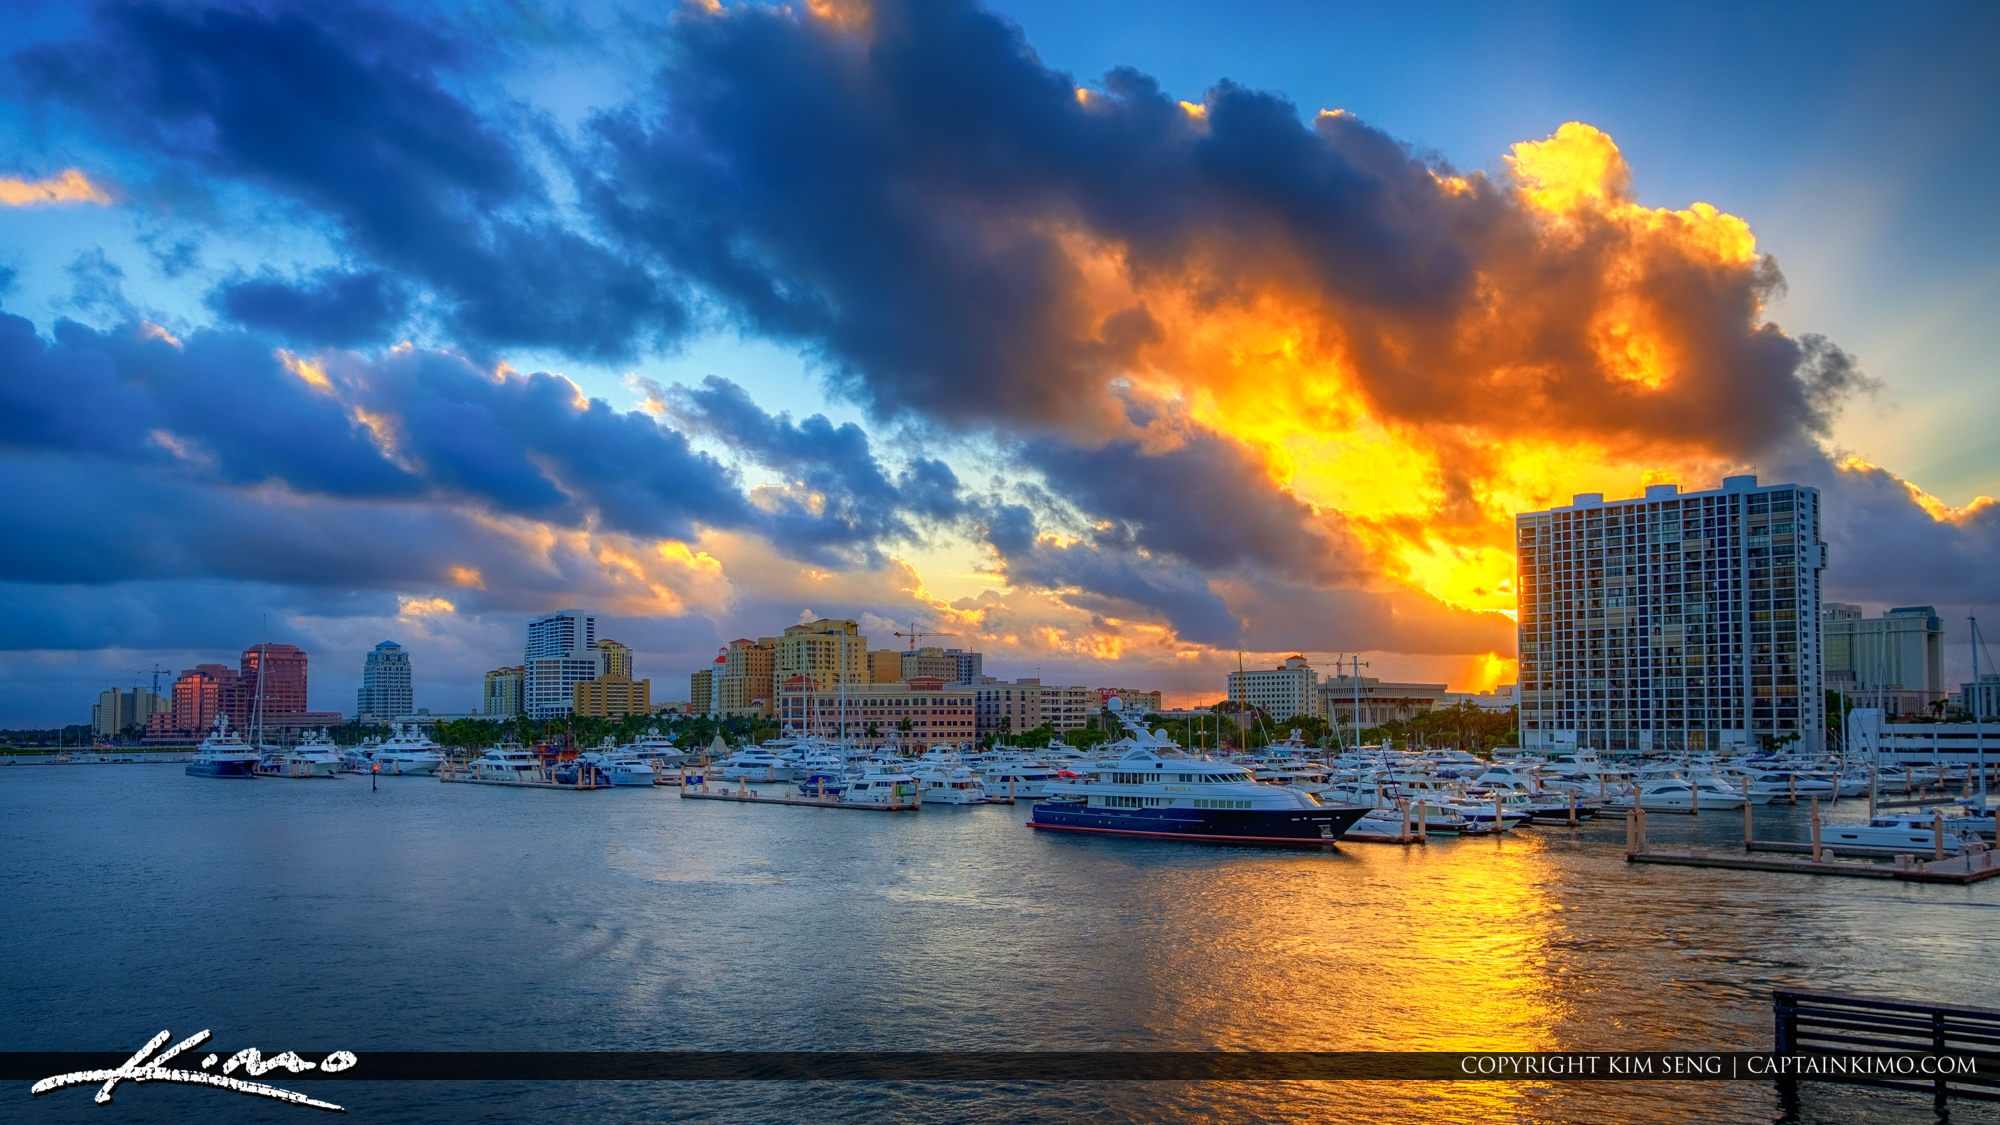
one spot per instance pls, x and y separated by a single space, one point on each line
1260 827
417 767
246 768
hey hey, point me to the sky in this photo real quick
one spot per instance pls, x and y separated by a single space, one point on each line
1119 341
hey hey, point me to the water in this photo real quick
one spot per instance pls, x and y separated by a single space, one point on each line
320 915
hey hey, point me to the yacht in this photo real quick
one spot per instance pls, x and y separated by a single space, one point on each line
1673 794
658 749
408 751
1018 779
1151 789
940 784
754 763
1910 834
223 754
882 783
621 768
314 756
508 762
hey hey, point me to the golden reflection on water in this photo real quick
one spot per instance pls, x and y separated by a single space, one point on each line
1438 948
1379 949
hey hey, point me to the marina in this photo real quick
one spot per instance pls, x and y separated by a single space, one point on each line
639 922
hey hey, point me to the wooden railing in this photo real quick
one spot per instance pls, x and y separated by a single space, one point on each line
1812 1023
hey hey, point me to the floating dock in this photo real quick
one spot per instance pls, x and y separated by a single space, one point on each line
1957 870
1795 858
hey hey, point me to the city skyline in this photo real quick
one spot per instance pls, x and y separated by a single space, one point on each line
1284 392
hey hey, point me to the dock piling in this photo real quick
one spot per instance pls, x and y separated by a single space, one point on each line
1816 851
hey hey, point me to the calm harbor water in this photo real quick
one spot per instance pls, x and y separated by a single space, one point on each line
436 917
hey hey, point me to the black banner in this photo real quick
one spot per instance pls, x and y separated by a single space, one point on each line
1053 1066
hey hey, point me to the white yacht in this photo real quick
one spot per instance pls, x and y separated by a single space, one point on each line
939 784
1913 834
508 762
223 754
408 751
754 763
1018 779
658 749
1674 794
882 783
1149 788
621 768
314 756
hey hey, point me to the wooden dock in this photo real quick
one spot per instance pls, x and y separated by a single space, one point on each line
747 797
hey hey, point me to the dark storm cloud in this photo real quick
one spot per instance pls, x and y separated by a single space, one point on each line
221 411
1107 573
219 404
330 308
343 109
848 500
1884 547
1205 501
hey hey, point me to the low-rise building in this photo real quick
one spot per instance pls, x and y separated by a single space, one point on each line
116 711
1135 702
913 714
1377 701
1498 699
1028 703
612 697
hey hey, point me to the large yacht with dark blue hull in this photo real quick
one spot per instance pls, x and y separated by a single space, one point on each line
223 754
1151 790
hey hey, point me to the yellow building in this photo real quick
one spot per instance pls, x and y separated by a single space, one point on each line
617 660
612 698
885 666
830 652
743 679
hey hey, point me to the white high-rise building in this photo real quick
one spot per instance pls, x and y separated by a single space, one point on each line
1289 690
1673 621
561 653
1895 661
385 684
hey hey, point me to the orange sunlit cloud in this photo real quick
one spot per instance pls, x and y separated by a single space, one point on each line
1573 360
72 186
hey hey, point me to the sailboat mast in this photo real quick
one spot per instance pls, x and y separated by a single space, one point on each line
1978 721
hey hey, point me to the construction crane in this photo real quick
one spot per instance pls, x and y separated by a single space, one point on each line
155 670
916 634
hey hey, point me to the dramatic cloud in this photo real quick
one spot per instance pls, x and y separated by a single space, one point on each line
1400 355
837 495
329 309
225 411
343 110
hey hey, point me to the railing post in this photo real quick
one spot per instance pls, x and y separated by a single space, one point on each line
1784 1042
1940 1087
